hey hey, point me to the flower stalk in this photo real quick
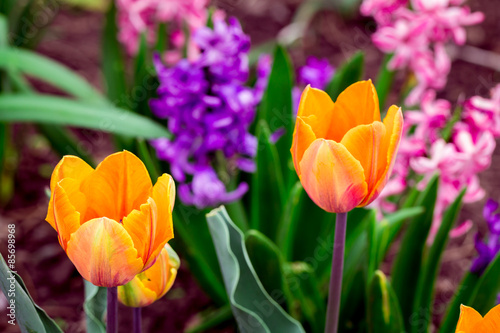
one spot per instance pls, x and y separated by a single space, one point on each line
112 313
332 311
137 320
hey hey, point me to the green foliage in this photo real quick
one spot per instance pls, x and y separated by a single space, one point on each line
406 269
384 82
62 111
253 308
95 308
28 316
384 312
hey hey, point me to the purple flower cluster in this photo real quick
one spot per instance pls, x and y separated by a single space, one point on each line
487 251
317 73
209 110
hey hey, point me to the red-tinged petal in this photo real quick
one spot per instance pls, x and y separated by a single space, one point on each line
364 143
316 110
394 129
66 217
303 136
468 320
69 167
332 177
118 185
356 105
141 225
103 253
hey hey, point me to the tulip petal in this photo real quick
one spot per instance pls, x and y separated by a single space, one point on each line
356 105
69 167
118 185
469 318
164 196
394 129
491 322
332 177
303 136
103 253
141 225
135 294
364 143
66 217
316 110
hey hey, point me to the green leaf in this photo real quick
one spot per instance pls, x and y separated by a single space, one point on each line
254 310
194 242
384 82
430 267
268 264
309 302
347 74
113 62
95 5
28 316
388 229
144 82
268 189
463 295
384 312
288 223
62 111
95 307
4 30
276 110
210 318
406 268
45 69
485 294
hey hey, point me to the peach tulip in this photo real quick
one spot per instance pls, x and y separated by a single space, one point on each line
111 221
153 283
342 152
471 321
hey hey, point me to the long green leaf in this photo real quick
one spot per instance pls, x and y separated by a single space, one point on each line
384 312
485 294
255 311
288 223
268 264
45 69
26 314
384 82
62 111
276 110
406 268
349 73
268 189
430 267
95 307
192 238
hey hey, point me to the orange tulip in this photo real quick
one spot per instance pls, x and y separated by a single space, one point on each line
342 152
111 221
153 283
471 321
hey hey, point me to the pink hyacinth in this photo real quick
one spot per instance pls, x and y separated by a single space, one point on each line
136 17
381 9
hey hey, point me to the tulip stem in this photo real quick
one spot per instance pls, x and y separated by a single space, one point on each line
137 320
332 311
112 313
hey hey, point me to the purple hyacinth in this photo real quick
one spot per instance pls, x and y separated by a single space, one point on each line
487 251
316 72
209 111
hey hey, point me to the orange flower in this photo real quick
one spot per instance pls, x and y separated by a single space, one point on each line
342 152
471 321
111 221
153 283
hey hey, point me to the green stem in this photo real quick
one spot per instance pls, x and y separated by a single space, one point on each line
112 313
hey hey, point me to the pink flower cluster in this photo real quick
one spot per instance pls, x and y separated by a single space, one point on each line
136 17
416 37
458 157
